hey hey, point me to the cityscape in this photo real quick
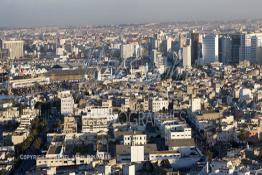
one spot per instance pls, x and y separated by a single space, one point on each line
158 98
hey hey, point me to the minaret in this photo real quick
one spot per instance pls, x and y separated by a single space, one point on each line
131 69
99 76
146 67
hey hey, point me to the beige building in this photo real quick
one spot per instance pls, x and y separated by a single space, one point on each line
67 102
136 138
15 47
70 125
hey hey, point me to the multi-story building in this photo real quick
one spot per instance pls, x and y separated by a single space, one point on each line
135 138
225 49
67 103
196 39
187 55
70 125
195 104
161 155
15 47
127 51
97 119
23 130
210 49
235 51
245 47
159 104
177 131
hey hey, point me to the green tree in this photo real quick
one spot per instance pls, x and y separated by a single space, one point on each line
37 143
242 135
165 163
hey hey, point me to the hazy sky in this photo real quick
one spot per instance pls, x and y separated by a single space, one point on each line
84 12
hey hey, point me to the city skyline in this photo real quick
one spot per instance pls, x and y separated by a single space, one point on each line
135 87
16 13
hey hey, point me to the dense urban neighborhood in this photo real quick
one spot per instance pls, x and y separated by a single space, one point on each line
136 99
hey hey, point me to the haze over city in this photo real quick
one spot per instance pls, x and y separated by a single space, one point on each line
100 12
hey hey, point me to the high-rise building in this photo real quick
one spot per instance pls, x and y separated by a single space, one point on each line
167 45
15 47
182 39
245 47
127 50
256 45
225 49
249 42
195 47
209 49
235 51
186 52
259 55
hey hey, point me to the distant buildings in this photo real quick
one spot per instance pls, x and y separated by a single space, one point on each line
161 112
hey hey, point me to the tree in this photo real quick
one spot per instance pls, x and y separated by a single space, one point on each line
165 163
242 135
148 167
37 143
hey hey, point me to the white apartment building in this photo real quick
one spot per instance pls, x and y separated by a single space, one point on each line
135 139
9 114
158 104
195 104
161 155
23 130
245 94
96 120
179 131
94 125
137 153
67 102
57 161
